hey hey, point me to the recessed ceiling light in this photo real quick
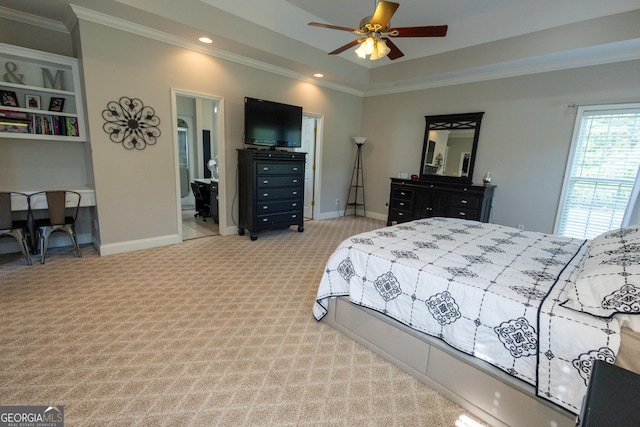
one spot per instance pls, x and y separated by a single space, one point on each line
205 40
318 75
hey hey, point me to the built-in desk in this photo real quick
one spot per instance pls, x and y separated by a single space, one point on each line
83 224
87 197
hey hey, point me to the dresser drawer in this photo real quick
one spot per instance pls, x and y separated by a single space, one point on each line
402 205
279 181
401 193
265 194
456 212
289 168
285 219
399 216
281 206
464 201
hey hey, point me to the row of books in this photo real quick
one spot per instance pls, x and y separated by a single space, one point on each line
39 124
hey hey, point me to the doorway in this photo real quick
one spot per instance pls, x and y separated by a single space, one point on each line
199 162
311 137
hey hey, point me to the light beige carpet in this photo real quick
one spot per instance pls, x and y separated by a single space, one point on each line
216 331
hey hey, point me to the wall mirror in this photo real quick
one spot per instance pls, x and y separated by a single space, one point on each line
450 145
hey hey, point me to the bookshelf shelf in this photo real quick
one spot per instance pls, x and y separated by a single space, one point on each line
41 97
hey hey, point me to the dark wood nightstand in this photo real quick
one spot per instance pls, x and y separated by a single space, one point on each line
612 399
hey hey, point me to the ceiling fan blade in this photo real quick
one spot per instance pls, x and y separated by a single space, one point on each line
332 27
428 31
394 53
345 47
384 12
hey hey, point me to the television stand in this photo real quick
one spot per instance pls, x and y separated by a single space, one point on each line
271 190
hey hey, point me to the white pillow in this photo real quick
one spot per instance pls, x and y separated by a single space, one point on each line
609 279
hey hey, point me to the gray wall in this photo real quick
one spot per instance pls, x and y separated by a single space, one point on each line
136 190
524 140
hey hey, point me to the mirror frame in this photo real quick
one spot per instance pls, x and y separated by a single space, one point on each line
452 122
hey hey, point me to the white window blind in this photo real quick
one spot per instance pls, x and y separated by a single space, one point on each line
602 168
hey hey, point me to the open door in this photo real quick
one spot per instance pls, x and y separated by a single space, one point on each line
309 140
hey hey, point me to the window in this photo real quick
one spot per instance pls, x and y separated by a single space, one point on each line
601 170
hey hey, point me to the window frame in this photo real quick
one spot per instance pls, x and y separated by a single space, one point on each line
607 109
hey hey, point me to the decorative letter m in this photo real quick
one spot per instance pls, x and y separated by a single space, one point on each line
54 83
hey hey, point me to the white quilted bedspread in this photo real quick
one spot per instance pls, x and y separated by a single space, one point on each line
487 290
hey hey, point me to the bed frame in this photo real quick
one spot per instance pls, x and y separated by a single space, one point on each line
478 387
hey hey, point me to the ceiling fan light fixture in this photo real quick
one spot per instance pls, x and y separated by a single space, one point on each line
368 46
374 47
374 30
380 51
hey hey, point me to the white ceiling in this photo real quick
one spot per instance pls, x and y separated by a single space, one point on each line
471 22
274 34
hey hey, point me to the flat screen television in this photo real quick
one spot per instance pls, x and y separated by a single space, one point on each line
272 124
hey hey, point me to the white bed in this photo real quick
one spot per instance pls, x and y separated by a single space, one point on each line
488 315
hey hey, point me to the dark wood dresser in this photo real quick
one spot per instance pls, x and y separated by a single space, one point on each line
271 190
415 199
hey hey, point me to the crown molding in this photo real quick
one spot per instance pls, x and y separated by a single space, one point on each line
628 50
29 19
123 25
604 54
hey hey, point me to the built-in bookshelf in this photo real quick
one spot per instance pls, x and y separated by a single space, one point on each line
40 96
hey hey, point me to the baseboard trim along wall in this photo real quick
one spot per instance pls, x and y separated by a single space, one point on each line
136 245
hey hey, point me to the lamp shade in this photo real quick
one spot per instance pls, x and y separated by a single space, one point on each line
360 139
380 51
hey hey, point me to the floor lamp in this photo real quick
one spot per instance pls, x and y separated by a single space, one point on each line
357 180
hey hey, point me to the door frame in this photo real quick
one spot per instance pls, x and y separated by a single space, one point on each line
316 168
222 192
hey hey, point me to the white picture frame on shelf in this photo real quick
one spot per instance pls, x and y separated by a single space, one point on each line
32 101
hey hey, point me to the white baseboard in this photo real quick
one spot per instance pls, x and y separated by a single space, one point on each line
8 245
326 215
136 245
336 214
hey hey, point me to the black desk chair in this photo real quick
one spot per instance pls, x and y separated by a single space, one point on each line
203 204
16 228
60 218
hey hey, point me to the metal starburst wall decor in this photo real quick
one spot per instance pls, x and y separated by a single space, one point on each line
130 123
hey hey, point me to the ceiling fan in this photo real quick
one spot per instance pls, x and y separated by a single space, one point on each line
374 32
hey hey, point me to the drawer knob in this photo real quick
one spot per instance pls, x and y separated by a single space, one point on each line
265 207
294 216
266 181
265 194
295 193
294 205
464 202
462 214
264 220
295 169
295 181
402 193
400 214
266 168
